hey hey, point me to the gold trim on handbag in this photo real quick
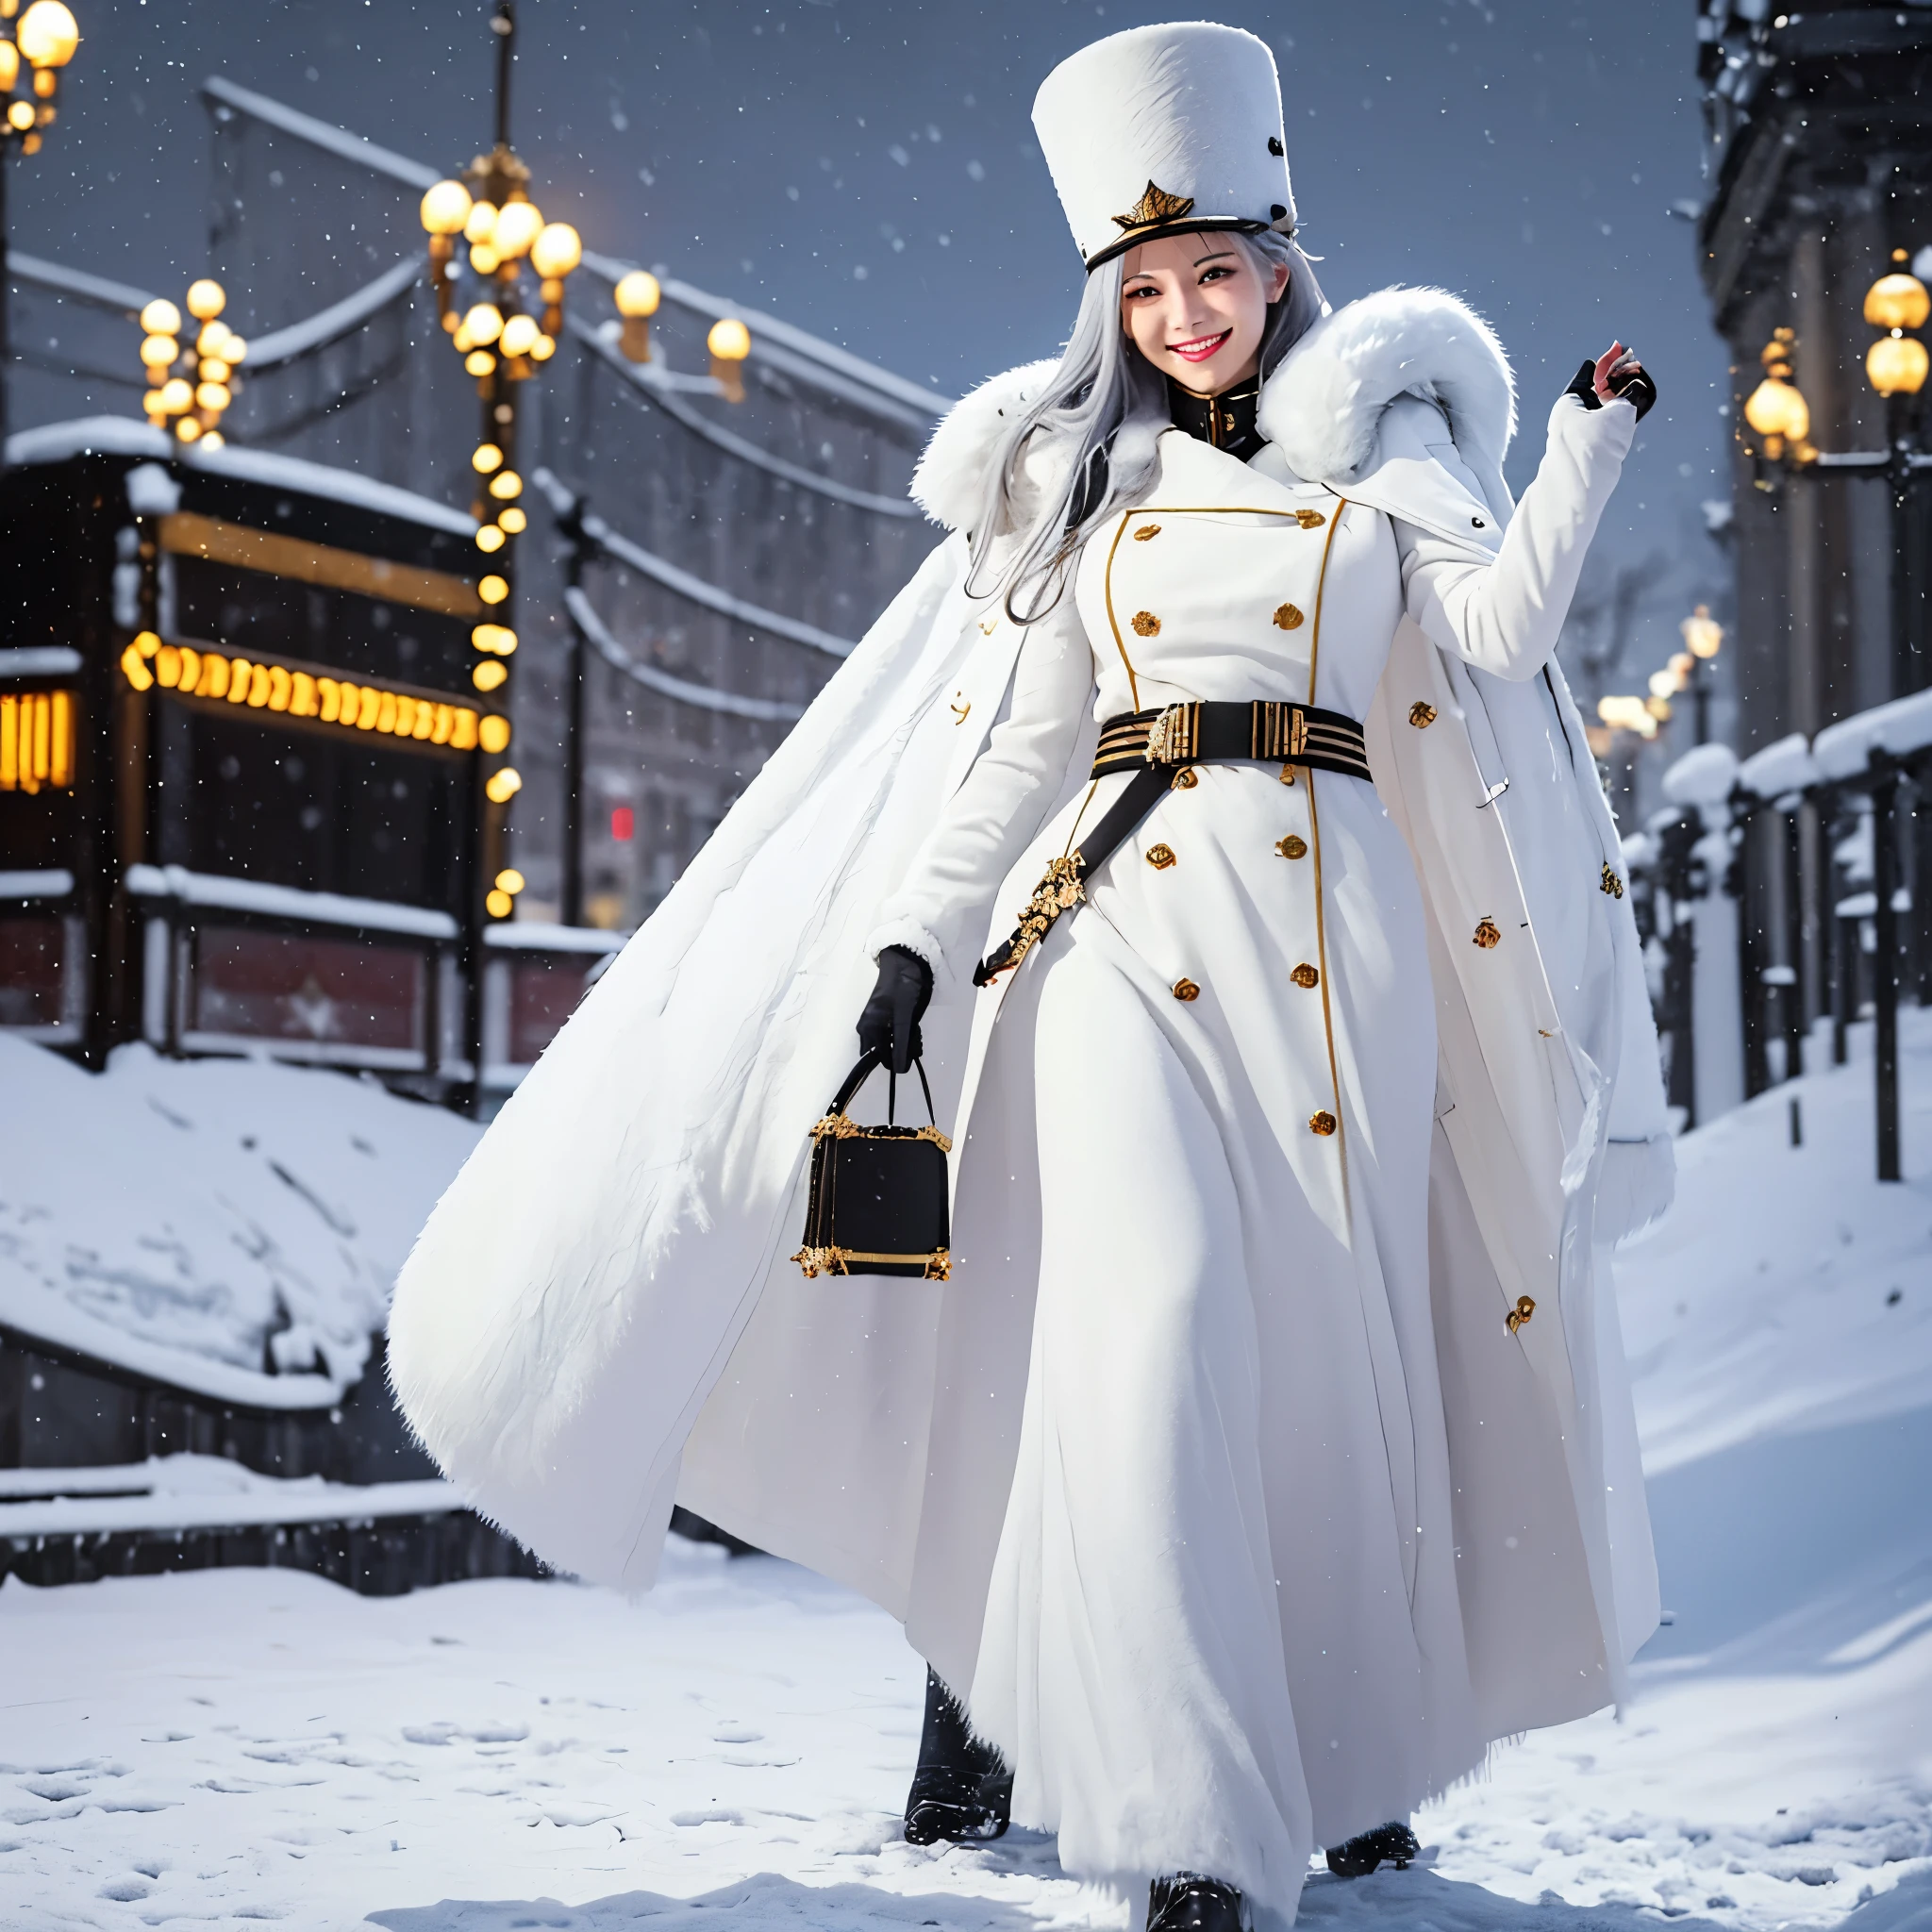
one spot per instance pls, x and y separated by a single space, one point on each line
879 1199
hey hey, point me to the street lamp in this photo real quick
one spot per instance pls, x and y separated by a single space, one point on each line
506 329
44 37
1776 409
1704 638
188 387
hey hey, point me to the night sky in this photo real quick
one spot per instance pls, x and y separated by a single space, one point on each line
869 173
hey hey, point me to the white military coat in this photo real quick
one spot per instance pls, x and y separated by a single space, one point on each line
600 1317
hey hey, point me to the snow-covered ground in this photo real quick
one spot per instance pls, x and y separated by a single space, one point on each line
232 1747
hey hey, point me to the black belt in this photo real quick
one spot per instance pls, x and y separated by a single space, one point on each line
1159 747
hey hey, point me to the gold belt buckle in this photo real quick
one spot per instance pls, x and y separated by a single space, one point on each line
1171 739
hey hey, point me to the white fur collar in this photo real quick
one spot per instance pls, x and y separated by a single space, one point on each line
1321 407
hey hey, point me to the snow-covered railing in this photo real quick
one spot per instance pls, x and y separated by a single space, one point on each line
665 392
681 582
705 697
188 1492
332 324
213 891
1791 885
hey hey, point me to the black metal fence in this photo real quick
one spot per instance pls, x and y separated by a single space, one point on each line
1788 890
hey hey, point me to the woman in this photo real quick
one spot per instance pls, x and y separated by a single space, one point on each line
1267 1454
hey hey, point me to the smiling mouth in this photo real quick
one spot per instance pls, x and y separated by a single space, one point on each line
1201 347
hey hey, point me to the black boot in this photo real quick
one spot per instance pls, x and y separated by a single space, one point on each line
962 1790
1360 1855
1189 1902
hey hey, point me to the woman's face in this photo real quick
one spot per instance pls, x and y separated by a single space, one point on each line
1195 306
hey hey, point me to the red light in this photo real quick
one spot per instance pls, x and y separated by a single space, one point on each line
624 822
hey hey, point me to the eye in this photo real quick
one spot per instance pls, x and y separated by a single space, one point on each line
1145 289
1214 275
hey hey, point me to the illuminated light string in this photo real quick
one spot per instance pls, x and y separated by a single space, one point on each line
36 742
148 662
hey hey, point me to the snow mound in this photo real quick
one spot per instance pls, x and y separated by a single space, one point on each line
1787 1289
231 1228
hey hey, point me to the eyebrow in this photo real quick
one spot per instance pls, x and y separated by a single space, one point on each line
1212 255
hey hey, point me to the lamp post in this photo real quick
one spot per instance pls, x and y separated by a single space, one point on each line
1896 366
1704 638
189 389
44 39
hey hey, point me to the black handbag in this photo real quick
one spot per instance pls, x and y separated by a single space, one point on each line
878 1194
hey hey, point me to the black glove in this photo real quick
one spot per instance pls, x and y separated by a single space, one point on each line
1634 386
890 1021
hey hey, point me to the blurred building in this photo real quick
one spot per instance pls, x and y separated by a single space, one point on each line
694 570
1819 159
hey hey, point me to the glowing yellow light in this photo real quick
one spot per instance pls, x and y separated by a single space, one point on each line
187 429
151 402
1663 684
177 395
492 589
484 322
498 903
447 208
156 351
10 66
480 223
207 298
519 335
1704 636
486 457
1682 664
234 349
1897 301
557 251
214 370
48 34
492 734
1776 409
214 337
1896 365
480 361
484 259
489 674
20 116
638 293
212 395
503 785
506 484
161 319
489 538
517 228
513 520
213 438
494 637
509 880
729 340
135 668
543 348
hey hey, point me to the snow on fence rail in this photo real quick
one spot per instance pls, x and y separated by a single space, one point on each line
1791 887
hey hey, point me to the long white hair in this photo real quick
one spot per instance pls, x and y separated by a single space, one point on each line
1104 405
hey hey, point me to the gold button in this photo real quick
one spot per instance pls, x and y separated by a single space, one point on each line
1147 624
1289 618
1161 856
1309 519
1146 531
1185 989
1304 976
1185 778
1323 1122
1485 933
1521 1313
1422 715
1293 847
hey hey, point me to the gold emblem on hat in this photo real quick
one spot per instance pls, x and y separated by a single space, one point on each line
1154 208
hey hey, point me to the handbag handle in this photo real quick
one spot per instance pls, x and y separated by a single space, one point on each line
867 1063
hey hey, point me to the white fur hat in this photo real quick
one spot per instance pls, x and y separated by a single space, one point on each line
1164 129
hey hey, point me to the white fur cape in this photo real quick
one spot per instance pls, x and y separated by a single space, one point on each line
600 1318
